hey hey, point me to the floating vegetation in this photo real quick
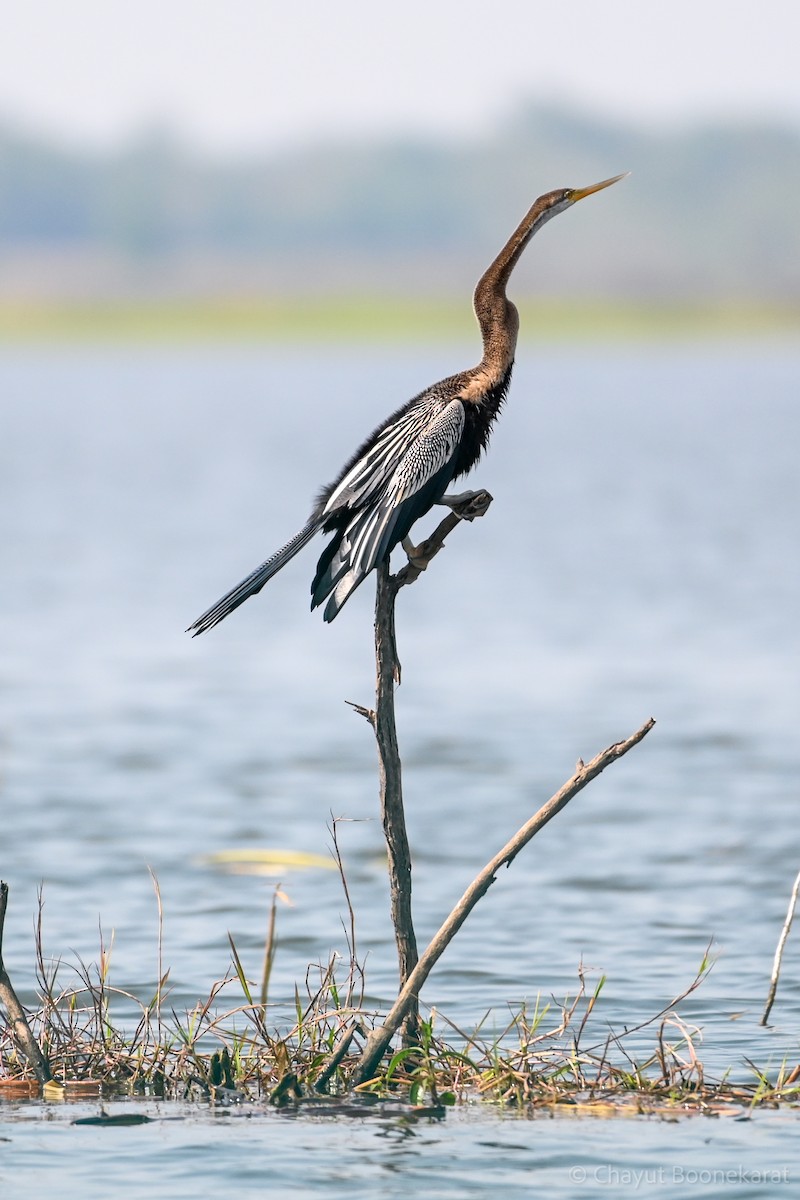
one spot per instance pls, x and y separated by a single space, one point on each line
267 862
226 1050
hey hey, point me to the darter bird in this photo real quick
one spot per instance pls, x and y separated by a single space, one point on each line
406 465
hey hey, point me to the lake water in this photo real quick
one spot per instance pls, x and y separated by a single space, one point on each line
640 559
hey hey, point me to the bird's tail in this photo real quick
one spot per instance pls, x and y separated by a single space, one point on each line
255 580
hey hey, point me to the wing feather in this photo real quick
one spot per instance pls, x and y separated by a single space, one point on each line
376 465
423 469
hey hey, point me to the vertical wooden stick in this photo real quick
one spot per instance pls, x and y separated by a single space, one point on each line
391 788
465 507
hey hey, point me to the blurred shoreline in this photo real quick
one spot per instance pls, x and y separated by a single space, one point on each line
387 237
385 319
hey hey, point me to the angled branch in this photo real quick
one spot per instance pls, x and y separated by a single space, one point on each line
465 507
378 1041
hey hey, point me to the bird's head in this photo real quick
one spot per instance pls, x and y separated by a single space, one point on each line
563 198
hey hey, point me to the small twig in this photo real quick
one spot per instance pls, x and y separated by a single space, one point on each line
702 971
160 984
380 1037
20 1029
350 935
367 713
776 966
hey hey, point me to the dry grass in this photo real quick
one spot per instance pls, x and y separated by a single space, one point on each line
225 1048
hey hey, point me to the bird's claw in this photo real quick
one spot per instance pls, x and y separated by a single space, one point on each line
468 505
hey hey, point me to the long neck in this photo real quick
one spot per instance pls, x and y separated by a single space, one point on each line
497 316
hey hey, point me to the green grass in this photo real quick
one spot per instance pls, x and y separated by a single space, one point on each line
381 319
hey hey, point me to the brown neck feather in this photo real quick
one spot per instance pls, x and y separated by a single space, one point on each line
497 317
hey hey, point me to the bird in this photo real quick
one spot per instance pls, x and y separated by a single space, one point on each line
406 465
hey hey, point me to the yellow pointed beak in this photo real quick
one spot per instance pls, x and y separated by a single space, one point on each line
579 193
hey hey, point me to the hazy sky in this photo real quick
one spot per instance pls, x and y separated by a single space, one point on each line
234 74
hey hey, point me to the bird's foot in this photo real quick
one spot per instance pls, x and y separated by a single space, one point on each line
468 505
455 499
416 554
465 507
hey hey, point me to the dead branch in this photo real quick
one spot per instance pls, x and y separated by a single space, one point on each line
382 719
379 1039
18 1022
391 786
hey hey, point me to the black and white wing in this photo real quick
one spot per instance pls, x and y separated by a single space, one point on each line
393 483
371 468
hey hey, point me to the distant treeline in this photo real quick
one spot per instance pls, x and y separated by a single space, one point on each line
709 211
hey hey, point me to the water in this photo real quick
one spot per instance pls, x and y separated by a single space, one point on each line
640 559
190 1153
